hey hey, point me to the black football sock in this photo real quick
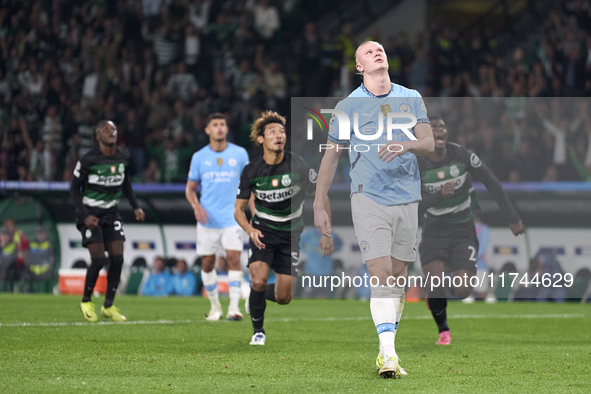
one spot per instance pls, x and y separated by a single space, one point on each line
438 310
270 292
113 277
257 309
92 274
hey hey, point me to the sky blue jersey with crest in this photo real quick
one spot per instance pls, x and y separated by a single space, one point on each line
394 183
219 174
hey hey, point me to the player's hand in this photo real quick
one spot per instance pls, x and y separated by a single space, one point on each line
327 245
393 149
91 222
448 189
256 236
140 216
201 215
322 223
517 228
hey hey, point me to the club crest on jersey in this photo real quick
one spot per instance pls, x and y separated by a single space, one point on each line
121 168
113 169
232 162
404 108
454 170
286 180
441 174
275 182
220 161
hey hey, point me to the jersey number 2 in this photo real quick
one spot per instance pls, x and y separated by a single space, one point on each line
474 254
118 227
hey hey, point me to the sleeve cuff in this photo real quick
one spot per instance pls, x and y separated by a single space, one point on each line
337 141
423 120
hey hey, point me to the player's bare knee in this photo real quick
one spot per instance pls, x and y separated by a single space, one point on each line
207 263
463 291
233 261
259 284
283 299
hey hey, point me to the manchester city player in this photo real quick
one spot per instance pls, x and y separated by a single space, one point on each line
385 188
217 167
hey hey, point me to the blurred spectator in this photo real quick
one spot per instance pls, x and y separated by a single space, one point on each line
40 258
159 283
182 85
266 19
8 258
183 280
19 239
545 263
171 157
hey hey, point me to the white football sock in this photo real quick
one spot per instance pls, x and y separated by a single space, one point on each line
398 294
210 283
235 281
382 313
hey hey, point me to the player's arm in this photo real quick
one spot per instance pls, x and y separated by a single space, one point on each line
140 216
245 194
422 146
80 176
251 205
328 168
326 241
493 186
200 214
242 221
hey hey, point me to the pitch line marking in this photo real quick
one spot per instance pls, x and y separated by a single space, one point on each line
289 320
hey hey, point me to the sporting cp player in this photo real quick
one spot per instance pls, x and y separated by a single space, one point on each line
279 181
449 240
217 167
385 189
100 177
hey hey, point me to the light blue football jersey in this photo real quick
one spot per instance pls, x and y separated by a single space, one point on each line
219 174
394 183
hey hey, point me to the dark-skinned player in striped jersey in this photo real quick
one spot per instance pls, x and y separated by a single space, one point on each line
449 240
100 178
279 180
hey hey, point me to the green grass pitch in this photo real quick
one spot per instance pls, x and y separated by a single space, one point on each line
312 346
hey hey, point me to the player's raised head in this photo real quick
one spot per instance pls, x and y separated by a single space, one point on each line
216 127
105 133
370 56
439 131
268 131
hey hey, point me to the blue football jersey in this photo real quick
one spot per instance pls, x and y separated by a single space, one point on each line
394 183
219 174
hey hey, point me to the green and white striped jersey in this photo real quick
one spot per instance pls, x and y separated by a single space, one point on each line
457 166
279 191
102 179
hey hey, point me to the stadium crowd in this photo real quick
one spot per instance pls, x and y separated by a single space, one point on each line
157 68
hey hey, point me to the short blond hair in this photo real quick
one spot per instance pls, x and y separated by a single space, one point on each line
258 127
